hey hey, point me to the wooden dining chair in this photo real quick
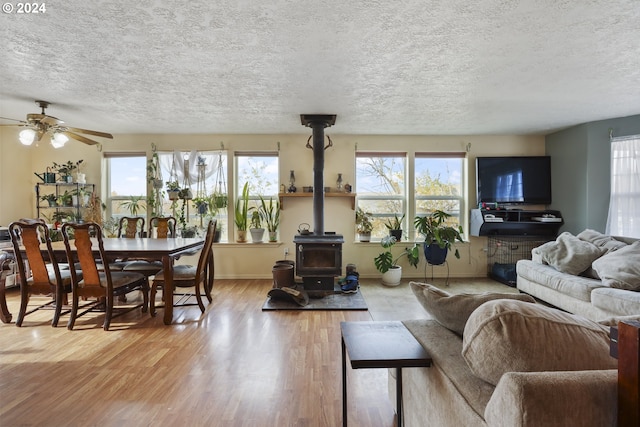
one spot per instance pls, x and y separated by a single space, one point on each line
162 227
131 227
103 285
128 228
45 276
199 277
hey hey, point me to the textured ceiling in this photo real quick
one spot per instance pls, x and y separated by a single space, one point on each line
245 66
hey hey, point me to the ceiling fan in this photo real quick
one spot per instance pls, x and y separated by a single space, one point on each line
37 125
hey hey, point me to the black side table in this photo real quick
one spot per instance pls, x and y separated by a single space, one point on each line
380 345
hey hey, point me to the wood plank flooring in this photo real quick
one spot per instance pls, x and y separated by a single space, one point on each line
235 365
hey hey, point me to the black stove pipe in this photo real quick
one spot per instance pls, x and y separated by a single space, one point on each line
317 122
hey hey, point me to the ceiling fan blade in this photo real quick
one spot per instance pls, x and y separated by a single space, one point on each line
15 124
91 132
13 120
80 138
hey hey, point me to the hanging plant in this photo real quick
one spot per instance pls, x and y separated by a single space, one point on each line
154 177
173 186
219 197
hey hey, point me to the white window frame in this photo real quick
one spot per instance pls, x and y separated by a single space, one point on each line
410 199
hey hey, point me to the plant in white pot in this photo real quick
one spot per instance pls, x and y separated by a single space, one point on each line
271 215
241 214
439 236
256 230
387 264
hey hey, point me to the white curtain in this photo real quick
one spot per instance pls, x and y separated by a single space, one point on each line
624 206
178 159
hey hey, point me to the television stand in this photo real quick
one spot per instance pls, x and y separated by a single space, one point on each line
512 222
512 234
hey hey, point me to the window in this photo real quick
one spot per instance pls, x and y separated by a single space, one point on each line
624 206
438 184
381 188
384 182
126 184
205 174
260 170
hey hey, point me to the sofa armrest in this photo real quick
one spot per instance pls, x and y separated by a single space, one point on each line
564 398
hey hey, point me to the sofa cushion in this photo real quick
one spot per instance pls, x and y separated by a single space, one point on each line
453 310
614 300
620 269
569 254
574 286
450 383
608 243
513 336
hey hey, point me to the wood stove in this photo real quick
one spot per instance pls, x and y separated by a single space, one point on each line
318 260
319 254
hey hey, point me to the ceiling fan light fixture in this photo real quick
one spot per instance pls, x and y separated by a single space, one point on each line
59 139
27 136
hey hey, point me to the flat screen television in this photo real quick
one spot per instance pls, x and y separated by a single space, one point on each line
524 180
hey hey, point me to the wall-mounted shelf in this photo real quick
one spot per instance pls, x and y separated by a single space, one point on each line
348 196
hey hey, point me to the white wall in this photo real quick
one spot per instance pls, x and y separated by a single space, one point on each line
18 163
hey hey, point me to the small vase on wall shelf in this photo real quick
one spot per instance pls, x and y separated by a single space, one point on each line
292 183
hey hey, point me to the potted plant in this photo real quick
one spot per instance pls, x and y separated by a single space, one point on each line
65 169
438 236
65 199
395 226
173 190
388 265
50 198
241 211
257 232
363 225
134 204
271 215
201 204
185 194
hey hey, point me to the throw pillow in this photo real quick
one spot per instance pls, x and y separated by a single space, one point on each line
453 310
621 268
601 240
570 255
512 336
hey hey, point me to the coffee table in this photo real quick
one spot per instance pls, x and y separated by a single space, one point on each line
380 345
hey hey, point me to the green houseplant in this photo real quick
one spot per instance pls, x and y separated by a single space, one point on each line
241 212
363 225
257 232
173 190
201 204
50 198
395 226
438 234
65 169
134 204
387 264
271 215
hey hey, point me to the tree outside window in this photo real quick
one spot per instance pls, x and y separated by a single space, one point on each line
381 189
438 184
260 170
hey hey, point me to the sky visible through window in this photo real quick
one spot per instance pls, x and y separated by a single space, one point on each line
128 176
447 170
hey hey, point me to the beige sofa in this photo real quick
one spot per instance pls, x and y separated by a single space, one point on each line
564 273
481 380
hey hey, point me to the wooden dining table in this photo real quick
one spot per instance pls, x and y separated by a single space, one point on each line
165 250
